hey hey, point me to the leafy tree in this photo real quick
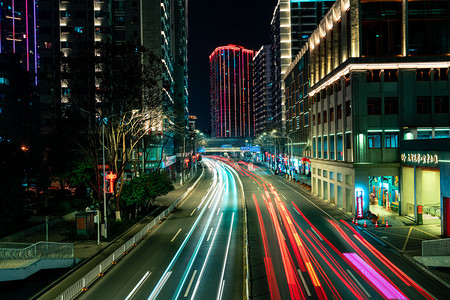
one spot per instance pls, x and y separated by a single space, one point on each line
142 191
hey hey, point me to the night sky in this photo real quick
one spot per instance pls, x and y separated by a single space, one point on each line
214 23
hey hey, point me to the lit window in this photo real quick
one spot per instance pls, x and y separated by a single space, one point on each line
4 81
391 140
374 140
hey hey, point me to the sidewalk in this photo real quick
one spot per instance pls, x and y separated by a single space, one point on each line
88 250
402 235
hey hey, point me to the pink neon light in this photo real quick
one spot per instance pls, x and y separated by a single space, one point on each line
14 28
381 284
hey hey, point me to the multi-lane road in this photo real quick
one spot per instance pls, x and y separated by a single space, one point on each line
195 253
298 248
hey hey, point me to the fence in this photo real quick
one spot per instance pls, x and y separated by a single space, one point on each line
83 283
436 247
40 250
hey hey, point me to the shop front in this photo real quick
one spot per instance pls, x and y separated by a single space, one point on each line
425 184
384 195
422 187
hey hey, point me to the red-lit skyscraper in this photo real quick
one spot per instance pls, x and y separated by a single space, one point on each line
231 92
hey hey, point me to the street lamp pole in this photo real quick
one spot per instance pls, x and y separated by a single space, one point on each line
104 179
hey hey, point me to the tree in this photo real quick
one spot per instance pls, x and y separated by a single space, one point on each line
118 94
142 191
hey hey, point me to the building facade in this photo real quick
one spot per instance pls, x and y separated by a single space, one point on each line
231 92
298 111
292 23
262 90
378 80
68 27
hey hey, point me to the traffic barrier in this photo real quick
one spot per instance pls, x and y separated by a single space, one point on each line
387 225
353 221
83 283
365 224
376 224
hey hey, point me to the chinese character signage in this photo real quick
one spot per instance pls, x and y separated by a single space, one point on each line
419 159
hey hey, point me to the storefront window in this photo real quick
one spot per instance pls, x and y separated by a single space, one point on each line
438 133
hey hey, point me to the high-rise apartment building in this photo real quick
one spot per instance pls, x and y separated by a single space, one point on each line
262 89
159 26
231 92
292 23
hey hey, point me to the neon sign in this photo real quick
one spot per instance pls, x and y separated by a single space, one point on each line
111 177
359 204
419 158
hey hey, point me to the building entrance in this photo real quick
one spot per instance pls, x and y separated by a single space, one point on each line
384 195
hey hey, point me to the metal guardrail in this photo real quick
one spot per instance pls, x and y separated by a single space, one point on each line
439 247
83 283
40 250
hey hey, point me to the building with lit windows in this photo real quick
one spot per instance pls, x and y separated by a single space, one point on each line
298 112
159 26
262 90
18 32
379 99
231 92
292 23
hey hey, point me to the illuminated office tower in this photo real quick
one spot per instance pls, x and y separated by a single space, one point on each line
262 90
231 92
292 23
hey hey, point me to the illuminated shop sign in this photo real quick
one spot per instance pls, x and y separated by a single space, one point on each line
419 158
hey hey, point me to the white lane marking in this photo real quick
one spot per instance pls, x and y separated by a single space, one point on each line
293 207
193 212
359 283
283 197
221 290
304 283
190 284
159 286
219 295
209 235
308 200
259 188
218 211
316 234
206 259
176 235
138 285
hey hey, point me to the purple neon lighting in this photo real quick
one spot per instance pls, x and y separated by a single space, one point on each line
380 283
27 38
35 43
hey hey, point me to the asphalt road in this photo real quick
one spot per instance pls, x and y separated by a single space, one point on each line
309 249
197 252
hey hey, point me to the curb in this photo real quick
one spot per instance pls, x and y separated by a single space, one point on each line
111 243
425 270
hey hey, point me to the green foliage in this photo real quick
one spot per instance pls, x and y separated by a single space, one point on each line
143 190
